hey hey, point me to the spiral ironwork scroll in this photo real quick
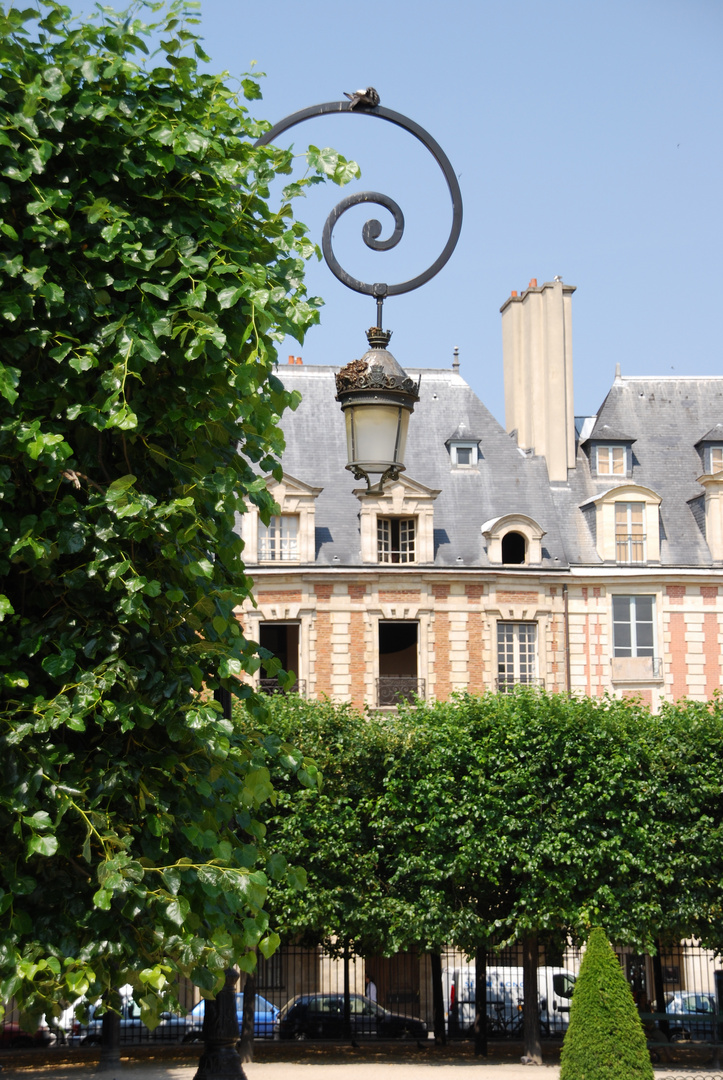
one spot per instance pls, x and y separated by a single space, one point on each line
373 229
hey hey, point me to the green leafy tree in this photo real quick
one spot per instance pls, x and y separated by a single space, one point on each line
522 818
605 1039
333 832
143 283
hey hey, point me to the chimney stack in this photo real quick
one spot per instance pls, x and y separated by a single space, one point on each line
537 357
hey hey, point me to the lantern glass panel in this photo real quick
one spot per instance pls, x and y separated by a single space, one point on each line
376 436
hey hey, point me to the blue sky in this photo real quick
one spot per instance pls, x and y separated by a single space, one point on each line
587 139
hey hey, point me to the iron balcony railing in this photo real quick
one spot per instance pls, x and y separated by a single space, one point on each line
273 686
391 689
630 547
506 683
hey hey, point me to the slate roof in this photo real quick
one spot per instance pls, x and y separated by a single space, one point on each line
665 417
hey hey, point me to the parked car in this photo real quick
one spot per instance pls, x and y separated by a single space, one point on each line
12 1036
189 1028
692 1015
132 1028
321 1016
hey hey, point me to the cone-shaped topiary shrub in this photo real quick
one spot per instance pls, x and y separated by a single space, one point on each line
605 1039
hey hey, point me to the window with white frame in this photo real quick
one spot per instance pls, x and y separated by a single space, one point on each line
516 653
279 540
396 539
630 532
633 625
715 459
611 460
463 455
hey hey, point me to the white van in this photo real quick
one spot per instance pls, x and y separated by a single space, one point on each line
505 996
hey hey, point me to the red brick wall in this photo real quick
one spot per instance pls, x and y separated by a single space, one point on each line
517 597
323 652
712 661
476 667
279 596
678 649
356 660
441 650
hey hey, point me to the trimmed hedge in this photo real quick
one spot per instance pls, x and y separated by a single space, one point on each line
605 1039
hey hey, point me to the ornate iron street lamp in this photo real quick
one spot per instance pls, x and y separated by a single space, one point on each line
376 394
377 398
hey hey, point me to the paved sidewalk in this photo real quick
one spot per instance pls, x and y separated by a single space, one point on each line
303 1070
334 1069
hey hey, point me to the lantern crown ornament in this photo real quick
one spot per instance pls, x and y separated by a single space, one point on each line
376 394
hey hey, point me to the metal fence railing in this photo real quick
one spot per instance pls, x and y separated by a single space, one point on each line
300 993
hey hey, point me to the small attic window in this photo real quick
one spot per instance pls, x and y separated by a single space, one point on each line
514 548
714 453
513 540
612 460
463 455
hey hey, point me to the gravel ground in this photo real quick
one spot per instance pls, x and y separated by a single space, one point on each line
331 1063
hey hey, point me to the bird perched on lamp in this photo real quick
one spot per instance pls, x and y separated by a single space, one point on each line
368 98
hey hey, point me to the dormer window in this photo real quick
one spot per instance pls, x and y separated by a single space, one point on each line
627 524
463 455
514 548
289 535
279 540
710 448
630 532
514 540
715 458
610 451
397 524
396 539
611 460
463 447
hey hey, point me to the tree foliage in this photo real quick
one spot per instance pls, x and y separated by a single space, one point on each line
605 1039
480 820
143 282
333 830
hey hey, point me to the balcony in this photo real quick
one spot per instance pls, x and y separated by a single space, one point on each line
272 686
392 689
506 683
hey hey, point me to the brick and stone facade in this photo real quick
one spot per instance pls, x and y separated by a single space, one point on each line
605 576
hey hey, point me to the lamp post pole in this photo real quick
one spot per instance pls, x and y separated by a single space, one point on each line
220 1059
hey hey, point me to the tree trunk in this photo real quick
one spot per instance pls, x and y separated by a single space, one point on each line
347 995
480 999
440 1034
110 1035
531 1015
659 989
246 1042
220 1060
